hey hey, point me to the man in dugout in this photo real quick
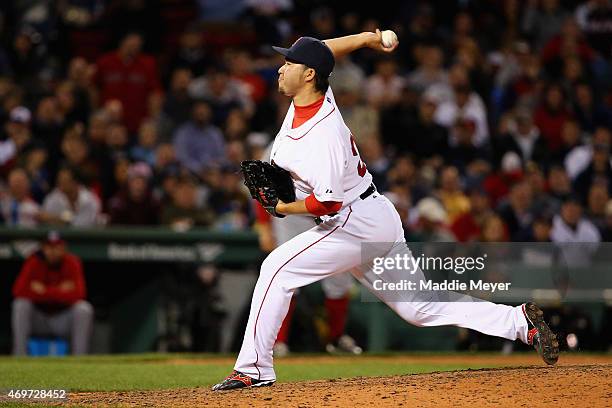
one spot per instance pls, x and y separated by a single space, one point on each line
50 298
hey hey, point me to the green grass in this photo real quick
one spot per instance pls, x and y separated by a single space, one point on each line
150 371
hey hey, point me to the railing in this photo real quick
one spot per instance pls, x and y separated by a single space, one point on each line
139 244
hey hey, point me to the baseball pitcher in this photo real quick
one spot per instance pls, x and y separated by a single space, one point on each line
333 184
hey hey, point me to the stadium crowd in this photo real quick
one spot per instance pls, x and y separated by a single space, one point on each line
492 122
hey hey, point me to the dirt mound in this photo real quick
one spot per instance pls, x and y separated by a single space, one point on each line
564 386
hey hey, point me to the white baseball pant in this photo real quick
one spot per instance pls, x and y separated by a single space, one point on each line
335 286
334 247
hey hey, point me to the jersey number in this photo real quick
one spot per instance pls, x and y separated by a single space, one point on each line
361 166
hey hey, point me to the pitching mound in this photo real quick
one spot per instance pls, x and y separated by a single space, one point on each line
564 386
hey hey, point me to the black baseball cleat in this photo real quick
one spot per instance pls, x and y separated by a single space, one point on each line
238 380
539 334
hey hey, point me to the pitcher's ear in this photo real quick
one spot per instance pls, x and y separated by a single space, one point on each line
309 74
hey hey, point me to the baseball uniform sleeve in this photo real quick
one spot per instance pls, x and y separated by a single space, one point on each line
326 172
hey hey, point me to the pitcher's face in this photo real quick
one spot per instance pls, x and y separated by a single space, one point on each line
291 78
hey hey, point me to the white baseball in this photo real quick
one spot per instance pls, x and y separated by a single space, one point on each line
389 38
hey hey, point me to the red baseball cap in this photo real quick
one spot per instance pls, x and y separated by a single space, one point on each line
54 238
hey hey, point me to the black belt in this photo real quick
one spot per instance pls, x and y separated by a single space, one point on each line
369 191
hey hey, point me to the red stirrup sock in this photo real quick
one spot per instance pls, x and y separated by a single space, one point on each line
337 310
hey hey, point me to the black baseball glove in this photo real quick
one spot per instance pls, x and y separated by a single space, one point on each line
268 183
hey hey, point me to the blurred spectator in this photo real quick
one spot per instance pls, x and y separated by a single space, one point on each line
571 137
76 155
267 17
183 212
199 144
360 117
135 205
236 153
164 124
50 298
48 126
348 76
27 56
191 54
70 203
550 116
121 165
574 72
599 169
371 151
80 77
384 87
236 126
596 204
35 166
401 201
494 229
144 151
452 197
165 157
524 139
431 222
167 180
430 70
516 212
511 62
568 43
520 80
222 93
411 129
574 232
578 159
542 20
468 226
464 104
464 153
589 112
323 23
18 209
595 19
541 200
228 200
177 104
404 175
19 136
539 230
498 184
67 108
130 77
559 186
241 69
570 225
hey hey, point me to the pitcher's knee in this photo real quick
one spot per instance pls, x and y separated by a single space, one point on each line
412 314
270 267
275 276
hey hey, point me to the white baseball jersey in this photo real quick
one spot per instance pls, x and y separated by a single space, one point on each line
321 156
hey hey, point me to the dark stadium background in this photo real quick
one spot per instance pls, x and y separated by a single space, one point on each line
497 113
